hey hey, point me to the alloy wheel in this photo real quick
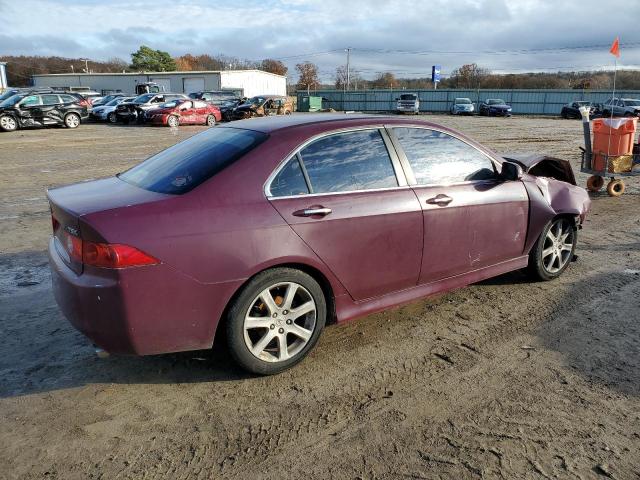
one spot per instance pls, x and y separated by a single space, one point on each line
558 245
280 322
8 123
72 120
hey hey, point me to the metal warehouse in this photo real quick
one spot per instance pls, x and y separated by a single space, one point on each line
250 82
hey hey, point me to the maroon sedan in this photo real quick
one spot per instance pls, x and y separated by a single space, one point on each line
184 112
266 230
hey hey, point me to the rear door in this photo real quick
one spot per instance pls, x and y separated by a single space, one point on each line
51 109
345 195
472 218
200 111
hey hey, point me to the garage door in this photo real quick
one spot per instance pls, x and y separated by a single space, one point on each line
192 84
163 83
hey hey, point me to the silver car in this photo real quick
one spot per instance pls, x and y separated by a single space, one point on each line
621 107
462 106
108 111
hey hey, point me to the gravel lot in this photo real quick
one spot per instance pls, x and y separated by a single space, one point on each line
503 379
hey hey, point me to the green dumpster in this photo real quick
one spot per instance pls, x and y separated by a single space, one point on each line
310 104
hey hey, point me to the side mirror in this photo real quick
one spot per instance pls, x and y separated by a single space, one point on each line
511 171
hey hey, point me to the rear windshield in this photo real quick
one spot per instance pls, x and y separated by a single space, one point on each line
187 164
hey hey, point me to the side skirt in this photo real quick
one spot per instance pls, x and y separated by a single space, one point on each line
347 310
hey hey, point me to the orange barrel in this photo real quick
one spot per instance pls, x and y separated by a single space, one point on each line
612 137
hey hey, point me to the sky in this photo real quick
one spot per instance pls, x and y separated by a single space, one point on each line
404 37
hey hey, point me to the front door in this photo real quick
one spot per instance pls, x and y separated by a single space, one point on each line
347 199
472 218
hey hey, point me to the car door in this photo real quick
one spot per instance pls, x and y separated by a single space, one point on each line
187 112
201 111
472 218
30 111
346 196
51 109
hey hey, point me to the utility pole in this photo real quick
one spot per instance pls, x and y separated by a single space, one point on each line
348 50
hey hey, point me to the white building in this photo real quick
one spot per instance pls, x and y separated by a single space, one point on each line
249 82
3 75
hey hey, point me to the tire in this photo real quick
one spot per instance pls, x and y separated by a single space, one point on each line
595 183
72 120
541 267
259 348
211 121
615 188
173 121
8 123
112 117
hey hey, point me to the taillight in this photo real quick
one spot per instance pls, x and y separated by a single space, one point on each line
114 255
55 224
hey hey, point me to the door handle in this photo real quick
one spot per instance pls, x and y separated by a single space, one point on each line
310 212
440 199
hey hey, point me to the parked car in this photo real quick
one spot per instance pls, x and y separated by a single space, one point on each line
184 112
495 107
10 92
572 110
106 99
29 110
621 107
462 106
107 112
227 107
214 97
134 110
408 103
262 105
264 230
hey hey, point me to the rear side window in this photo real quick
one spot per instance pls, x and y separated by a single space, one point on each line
349 161
289 181
50 99
437 158
186 165
68 99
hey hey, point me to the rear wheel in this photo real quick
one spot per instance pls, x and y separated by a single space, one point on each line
173 121
8 123
71 120
211 120
276 320
554 249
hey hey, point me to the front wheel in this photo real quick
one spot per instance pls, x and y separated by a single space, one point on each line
112 117
554 249
173 121
8 123
276 320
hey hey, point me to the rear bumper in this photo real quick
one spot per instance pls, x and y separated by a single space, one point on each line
141 311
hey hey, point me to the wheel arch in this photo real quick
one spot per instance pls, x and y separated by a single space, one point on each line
310 270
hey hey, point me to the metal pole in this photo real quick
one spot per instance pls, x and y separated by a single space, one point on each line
348 66
613 97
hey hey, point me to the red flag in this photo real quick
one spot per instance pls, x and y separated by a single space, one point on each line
615 48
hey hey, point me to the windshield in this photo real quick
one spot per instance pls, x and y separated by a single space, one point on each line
255 101
172 103
11 101
583 104
408 96
632 103
463 101
495 101
144 98
114 102
186 165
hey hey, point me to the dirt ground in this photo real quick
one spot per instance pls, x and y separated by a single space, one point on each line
503 379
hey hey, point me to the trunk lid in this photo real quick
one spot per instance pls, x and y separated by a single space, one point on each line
69 204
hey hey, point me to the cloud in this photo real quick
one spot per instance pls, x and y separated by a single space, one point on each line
380 31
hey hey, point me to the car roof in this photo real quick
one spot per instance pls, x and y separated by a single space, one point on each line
331 121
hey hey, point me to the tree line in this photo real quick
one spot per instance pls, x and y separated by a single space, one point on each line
469 76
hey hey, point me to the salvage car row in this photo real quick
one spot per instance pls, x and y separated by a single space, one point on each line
47 107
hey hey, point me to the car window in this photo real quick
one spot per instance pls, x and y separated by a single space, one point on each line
289 181
68 98
199 104
50 99
187 164
30 100
440 159
349 161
